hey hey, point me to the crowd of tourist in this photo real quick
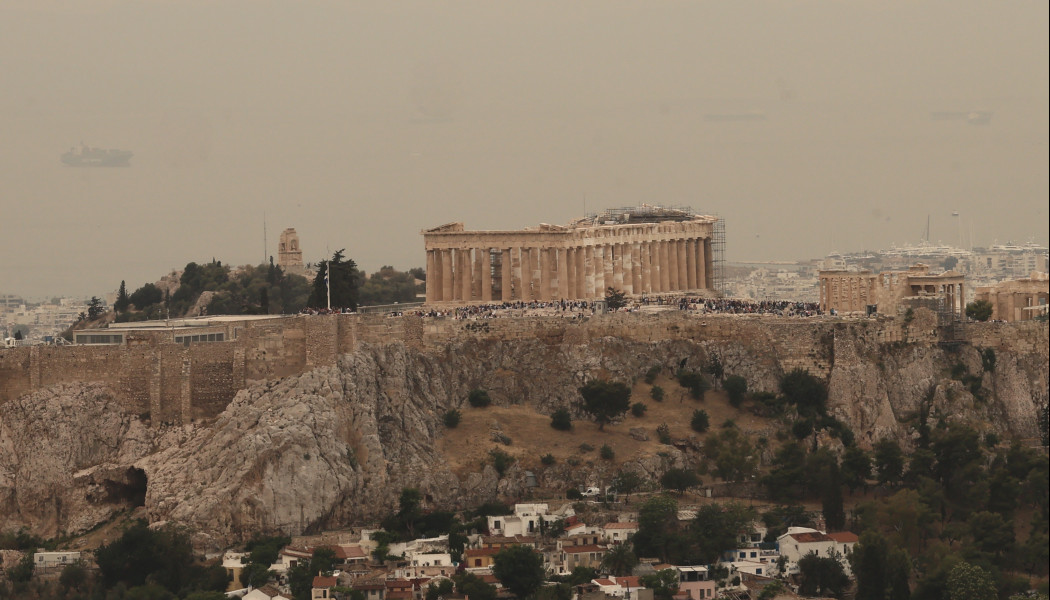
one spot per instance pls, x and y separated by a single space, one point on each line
582 308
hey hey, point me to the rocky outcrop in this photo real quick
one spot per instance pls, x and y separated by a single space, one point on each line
337 444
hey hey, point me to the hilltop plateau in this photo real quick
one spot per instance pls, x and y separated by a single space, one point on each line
334 445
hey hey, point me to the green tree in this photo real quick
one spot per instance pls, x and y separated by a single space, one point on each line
821 575
254 575
856 468
716 528
626 483
442 588
389 286
519 569
664 584
620 560
734 457
479 398
693 381
979 310
561 420
605 400
700 422
339 277
657 527
615 299
889 462
970 582
881 572
74 577
806 393
474 587
679 480
146 296
736 388
787 476
123 301
96 308
452 418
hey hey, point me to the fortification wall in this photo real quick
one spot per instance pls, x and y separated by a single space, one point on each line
176 384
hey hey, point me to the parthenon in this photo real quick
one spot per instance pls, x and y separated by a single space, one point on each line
640 250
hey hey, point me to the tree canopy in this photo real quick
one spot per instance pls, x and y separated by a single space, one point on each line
605 400
342 276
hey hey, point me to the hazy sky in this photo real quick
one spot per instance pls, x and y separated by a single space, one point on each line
361 123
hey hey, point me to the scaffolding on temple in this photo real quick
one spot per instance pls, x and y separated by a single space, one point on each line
718 257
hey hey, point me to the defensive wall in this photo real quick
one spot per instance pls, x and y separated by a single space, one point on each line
174 383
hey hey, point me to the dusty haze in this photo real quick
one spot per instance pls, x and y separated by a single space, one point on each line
360 124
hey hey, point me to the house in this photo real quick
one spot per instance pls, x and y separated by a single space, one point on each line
618 533
479 558
266 592
50 560
589 555
526 520
695 582
290 556
372 589
399 589
500 542
800 541
622 587
322 587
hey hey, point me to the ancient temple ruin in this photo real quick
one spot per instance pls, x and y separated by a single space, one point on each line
638 250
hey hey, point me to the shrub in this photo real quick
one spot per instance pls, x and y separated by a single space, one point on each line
547 459
694 382
585 448
501 461
606 452
700 421
679 480
638 409
479 398
650 375
736 388
728 424
561 419
573 494
452 418
502 438
574 461
657 393
663 433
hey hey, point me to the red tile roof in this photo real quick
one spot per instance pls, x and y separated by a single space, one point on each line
810 536
621 526
325 582
844 537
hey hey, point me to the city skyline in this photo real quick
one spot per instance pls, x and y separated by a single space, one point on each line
810 127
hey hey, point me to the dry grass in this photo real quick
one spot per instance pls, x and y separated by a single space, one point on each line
468 445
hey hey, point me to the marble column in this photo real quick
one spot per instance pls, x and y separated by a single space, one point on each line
431 273
564 280
646 267
446 276
683 265
506 276
466 281
690 264
672 264
545 274
475 280
654 267
627 263
580 254
617 273
665 267
598 291
610 263
526 274
636 268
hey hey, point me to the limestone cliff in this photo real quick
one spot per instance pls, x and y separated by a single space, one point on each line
336 444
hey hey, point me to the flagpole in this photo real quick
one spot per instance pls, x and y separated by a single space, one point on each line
328 281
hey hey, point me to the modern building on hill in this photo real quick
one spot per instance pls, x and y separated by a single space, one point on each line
639 250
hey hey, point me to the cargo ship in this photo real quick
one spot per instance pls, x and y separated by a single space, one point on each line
96 157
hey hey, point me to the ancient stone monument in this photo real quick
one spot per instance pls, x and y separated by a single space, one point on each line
640 250
289 253
853 291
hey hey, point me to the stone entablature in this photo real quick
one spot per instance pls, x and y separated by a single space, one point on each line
577 262
1017 300
853 291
